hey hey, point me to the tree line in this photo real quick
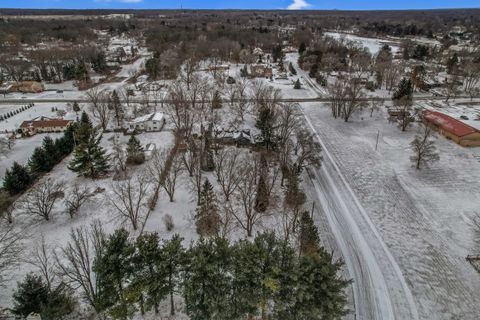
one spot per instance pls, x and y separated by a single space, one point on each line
119 276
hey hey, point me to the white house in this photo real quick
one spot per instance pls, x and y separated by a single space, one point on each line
149 122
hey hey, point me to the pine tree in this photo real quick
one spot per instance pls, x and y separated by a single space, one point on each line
308 238
116 106
292 69
149 282
266 123
135 153
17 179
31 294
76 107
207 282
113 268
34 296
39 161
302 48
216 100
207 219
90 159
313 301
404 90
297 85
174 259
83 129
53 155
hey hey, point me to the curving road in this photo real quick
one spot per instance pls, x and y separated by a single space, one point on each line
379 288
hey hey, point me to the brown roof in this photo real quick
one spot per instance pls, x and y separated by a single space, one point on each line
45 123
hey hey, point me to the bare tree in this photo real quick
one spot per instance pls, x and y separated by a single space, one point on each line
245 196
171 176
424 150
190 157
308 151
189 68
76 198
338 97
42 198
43 260
406 115
119 158
355 95
129 200
227 171
99 106
11 246
242 105
76 260
471 78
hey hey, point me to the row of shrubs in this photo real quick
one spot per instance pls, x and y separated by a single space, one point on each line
19 178
17 111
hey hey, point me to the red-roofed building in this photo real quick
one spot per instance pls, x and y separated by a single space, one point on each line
453 129
44 124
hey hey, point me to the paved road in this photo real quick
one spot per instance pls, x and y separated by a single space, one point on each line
379 292
299 100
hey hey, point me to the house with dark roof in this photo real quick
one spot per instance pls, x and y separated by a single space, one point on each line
452 129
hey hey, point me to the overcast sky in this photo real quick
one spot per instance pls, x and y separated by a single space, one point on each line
242 4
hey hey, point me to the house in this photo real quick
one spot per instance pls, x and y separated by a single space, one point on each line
27 87
44 124
150 122
261 71
452 128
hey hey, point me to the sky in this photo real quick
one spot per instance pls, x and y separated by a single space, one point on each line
241 4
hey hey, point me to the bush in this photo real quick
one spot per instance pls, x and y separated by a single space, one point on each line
370 85
168 221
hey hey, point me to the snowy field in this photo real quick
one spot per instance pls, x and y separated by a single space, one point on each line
373 45
425 218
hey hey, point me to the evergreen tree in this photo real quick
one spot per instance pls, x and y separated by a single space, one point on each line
207 282
113 268
277 53
266 123
83 129
17 179
452 63
30 296
39 161
76 107
302 48
34 296
313 301
53 155
404 90
90 159
292 69
216 100
207 219
297 85
116 106
308 238
174 259
135 153
149 281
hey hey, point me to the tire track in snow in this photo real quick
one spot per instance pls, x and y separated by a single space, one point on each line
373 299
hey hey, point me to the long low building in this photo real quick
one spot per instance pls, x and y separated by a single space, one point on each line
452 129
44 124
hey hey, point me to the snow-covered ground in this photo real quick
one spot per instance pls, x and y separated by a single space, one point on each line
373 44
424 219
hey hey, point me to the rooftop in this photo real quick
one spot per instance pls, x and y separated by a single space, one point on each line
448 123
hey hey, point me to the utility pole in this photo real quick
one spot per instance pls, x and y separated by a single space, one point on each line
376 144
